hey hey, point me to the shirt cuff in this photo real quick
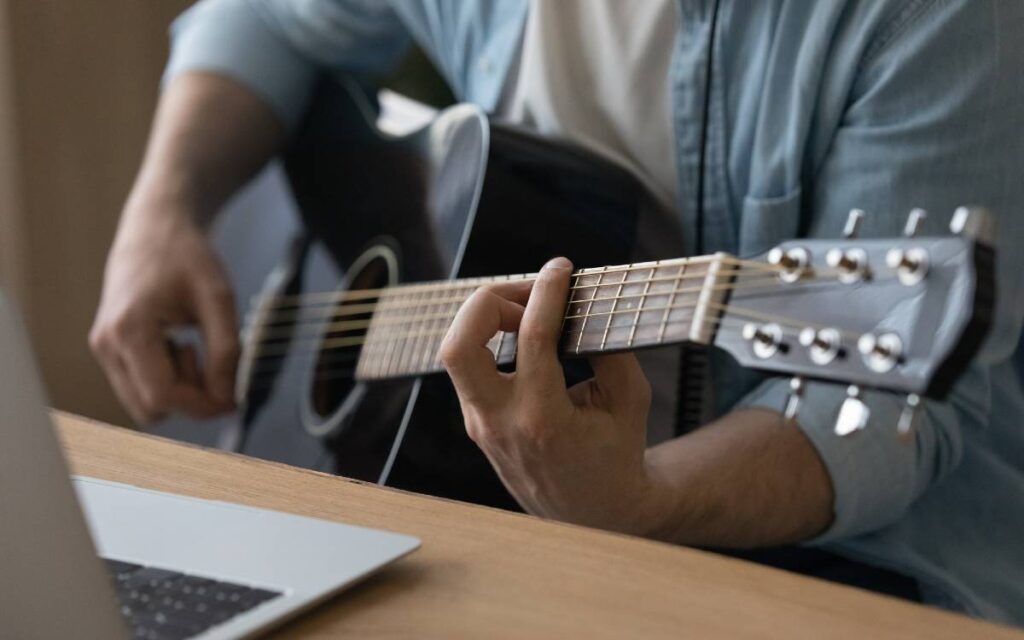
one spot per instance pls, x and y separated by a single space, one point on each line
873 472
230 38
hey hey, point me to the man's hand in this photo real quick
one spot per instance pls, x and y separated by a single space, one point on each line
748 479
162 273
209 137
569 454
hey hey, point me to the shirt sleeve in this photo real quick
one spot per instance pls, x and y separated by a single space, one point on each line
278 48
933 120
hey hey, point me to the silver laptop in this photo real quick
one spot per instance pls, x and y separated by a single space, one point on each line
156 565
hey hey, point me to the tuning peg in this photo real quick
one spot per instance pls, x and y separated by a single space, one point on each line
853 415
796 392
973 222
908 417
914 220
853 223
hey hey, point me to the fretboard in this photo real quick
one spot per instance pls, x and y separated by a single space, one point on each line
609 309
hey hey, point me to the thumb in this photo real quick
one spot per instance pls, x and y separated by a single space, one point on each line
621 384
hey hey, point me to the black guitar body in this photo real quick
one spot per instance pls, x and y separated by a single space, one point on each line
463 197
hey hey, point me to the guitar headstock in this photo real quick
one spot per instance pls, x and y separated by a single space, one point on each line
902 314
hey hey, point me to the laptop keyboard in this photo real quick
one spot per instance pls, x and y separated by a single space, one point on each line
159 603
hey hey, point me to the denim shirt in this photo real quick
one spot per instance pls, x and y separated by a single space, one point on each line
816 107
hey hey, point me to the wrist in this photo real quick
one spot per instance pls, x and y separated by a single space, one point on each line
655 502
169 196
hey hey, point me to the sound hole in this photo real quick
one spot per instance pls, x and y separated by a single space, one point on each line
341 342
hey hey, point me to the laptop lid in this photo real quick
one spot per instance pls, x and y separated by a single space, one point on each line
53 584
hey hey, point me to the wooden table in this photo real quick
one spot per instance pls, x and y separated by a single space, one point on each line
487 573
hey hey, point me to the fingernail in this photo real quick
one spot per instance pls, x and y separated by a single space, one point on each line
558 263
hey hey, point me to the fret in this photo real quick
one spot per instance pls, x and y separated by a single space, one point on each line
378 336
373 349
440 325
594 290
445 314
420 327
390 333
671 300
611 314
422 345
640 305
402 333
649 303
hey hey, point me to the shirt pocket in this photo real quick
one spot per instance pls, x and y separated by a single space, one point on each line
765 222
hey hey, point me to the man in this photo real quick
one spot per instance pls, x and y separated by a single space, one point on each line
756 122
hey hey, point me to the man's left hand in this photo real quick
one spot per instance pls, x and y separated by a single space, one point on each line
574 454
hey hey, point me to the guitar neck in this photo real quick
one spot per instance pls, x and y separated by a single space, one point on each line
609 309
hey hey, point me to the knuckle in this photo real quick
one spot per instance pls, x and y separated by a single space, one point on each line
486 291
452 353
449 354
98 341
479 427
476 432
122 327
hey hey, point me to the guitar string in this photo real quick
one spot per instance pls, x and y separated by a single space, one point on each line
279 335
333 296
357 341
430 348
327 297
275 330
397 293
334 372
500 354
280 330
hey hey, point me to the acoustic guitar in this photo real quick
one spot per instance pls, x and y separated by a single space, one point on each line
415 224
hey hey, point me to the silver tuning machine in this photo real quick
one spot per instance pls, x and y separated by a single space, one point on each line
765 339
851 265
880 352
796 393
853 414
908 417
792 263
823 345
911 265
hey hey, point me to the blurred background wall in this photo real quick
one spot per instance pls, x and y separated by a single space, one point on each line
78 83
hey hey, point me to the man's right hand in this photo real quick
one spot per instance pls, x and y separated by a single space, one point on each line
209 137
162 273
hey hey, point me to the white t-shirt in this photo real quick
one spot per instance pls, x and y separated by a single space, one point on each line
597 72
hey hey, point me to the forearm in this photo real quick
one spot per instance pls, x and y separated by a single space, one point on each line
210 135
746 480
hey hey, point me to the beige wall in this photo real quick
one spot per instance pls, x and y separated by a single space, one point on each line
78 82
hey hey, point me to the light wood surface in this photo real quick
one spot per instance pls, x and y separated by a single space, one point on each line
488 573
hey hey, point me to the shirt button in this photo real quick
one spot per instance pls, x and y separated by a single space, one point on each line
484 64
